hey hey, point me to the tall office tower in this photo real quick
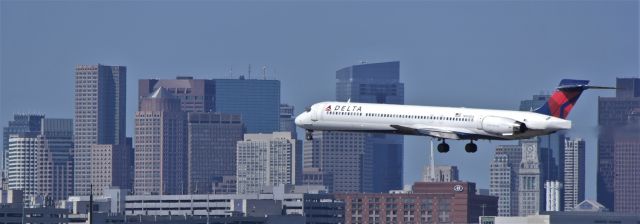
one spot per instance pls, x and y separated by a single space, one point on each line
22 163
160 145
287 117
504 178
530 185
574 172
442 174
345 156
100 100
267 160
618 146
212 141
256 100
55 159
375 160
196 95
21 124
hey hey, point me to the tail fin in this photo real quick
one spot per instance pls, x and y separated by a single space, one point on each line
563 98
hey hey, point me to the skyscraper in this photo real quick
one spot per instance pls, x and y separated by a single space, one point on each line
160 145
22 163
256 100
287 118
212 141
377 83
504 178
21 124
375 160
618 146
267 160
574 172
99 116
41 163
196 95
55 159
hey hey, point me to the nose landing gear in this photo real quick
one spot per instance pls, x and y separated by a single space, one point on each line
308 135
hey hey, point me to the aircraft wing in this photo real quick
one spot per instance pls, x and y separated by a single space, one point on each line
438 132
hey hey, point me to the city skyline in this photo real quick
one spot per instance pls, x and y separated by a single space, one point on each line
302 86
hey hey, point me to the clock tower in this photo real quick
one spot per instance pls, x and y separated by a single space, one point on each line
529 179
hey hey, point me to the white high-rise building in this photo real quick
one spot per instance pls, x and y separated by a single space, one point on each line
267 160
574 172
22 163
552 189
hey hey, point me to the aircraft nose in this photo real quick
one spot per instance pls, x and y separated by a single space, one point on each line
300 119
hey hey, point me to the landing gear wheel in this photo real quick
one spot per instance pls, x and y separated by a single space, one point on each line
471 147
308 135
443 147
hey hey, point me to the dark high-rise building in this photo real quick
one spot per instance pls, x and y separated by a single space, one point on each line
256 100
377 83
196 95
21 124
619 147
287 117
160 145
212 141
55 159
366 83
100 101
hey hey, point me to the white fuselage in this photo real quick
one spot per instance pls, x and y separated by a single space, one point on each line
444 122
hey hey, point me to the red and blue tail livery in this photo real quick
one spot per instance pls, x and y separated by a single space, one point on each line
564 98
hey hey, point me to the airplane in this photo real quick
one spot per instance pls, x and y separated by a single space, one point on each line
456 123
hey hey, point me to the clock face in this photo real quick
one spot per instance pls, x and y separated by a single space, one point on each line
530 148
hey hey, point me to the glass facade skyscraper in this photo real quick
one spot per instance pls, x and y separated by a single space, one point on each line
619 147
257 101
379 166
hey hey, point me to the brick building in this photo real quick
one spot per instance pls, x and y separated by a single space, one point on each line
443 202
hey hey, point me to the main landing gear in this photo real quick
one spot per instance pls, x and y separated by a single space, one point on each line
471 147
443 147
308 135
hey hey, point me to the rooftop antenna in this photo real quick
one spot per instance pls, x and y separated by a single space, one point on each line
432 173
249 74
264 72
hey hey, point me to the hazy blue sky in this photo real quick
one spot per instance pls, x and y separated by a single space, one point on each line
452 53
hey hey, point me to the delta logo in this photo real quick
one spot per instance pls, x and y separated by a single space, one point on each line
344 108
